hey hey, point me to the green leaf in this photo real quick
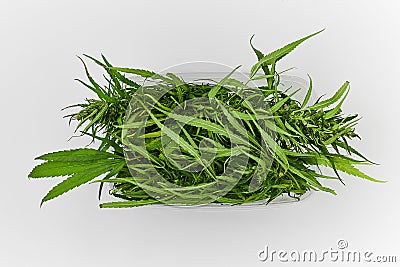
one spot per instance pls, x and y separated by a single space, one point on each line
99 93
323 104
336 136
311 180
350 169
119 76
308 95
260 55
99 114
143 73
140 72
126 81
62 168
282 159
331 113
261 77
208 125
214 90
114 171
344 165
279 104
96 88
353 150
112 73
107 141
129 204
81 154
175 79
76 180
278 54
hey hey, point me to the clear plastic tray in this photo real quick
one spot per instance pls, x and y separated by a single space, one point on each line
199 72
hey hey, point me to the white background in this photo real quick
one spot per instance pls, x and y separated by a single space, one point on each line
38 44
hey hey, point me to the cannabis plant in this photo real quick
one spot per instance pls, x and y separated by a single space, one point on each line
152 148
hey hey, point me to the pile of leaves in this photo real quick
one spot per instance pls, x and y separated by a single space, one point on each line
288 141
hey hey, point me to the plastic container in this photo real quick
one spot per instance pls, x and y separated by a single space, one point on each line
199 72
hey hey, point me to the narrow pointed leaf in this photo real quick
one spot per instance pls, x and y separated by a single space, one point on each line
81 154
323 104
278 54
129 204
75 181
336 109
308 95
214 90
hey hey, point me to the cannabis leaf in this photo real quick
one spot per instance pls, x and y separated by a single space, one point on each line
275 56
80 165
